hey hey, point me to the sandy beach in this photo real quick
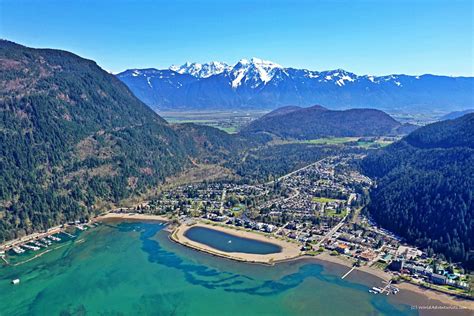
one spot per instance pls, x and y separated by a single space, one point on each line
434 298
291 251
325 256
288 250
132 216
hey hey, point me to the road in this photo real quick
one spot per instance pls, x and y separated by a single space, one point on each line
331 232
222 201
294 172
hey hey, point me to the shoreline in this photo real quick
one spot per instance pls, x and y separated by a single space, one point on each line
288 251
131 216
176 234
437 298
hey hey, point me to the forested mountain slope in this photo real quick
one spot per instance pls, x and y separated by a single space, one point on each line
425 188
317 121
72 135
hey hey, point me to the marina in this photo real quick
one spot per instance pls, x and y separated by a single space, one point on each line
73 276
57 274
38 243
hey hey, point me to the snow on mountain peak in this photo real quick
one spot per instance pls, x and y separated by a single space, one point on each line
264 63
201 70
256 71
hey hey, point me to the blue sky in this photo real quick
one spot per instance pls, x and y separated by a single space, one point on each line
366 37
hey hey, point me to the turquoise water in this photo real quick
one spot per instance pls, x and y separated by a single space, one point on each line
134 269
230 243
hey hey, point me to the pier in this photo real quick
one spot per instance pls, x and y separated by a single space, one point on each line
3 258
347 273
387 287
67 234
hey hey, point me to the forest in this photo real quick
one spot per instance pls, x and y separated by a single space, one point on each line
74 140
425 188
72 136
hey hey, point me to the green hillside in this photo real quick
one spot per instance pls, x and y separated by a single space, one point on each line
425 188
317 121
72 136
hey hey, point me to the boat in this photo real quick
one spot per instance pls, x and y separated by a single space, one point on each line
34 248
18 250
46 241
52 237
16 281
376 289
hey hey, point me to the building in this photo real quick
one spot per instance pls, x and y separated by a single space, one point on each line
397 265
342 248
438 279
367 255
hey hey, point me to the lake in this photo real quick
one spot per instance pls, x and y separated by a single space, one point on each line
230 243
132 268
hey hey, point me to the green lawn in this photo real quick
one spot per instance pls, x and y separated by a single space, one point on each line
332 140
345 140
332 213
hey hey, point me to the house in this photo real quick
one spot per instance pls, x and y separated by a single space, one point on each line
270 228
342 248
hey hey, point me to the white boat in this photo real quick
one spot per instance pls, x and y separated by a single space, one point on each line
34 248
376 289
16 281
18 250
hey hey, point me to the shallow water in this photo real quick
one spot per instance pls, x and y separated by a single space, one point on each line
132 268
230 243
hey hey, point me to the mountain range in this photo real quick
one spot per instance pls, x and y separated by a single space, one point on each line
74 141
260 84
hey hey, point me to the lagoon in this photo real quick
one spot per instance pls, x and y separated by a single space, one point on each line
230 243
132 268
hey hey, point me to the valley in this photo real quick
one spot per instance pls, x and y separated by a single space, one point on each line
353 185
228 121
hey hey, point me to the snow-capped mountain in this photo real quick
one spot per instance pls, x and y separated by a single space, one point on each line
201 70
255 72
261 84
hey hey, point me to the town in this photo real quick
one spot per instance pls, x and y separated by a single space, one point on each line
318 207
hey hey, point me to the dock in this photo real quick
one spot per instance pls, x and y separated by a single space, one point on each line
347 273
389 288
67 234
386 287
3 258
